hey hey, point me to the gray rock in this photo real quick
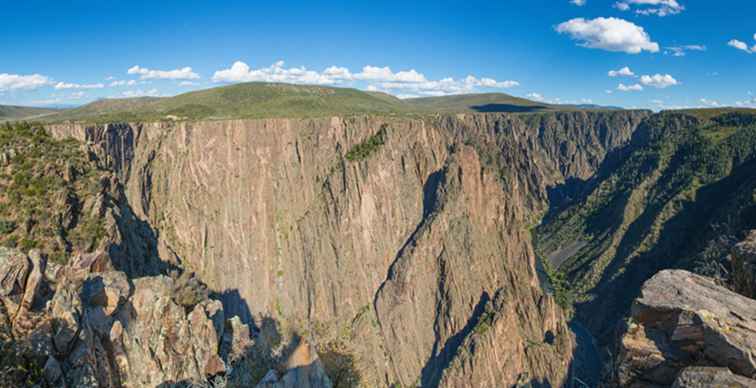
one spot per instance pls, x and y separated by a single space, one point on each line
14 268
707 377
682 319
52 370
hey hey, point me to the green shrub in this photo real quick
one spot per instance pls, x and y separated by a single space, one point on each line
363 150
7 227
46 202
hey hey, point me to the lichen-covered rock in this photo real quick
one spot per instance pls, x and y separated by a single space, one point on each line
744 266
163 343
98 330
680 320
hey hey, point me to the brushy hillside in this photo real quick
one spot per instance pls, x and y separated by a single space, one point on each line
491 102
9 112
248 100
272 100
488 102
48 191
679 196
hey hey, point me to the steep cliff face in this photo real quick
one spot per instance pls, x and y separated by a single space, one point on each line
413 249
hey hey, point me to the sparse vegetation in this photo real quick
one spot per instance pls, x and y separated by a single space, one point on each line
45 187
363 150
686 176
249 100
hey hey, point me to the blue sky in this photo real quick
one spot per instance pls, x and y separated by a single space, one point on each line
73 52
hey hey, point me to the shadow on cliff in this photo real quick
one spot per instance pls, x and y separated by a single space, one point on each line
573 189
234 305
441 358
136 253
274 349
506 108
586 364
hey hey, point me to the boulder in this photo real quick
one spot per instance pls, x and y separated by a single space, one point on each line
236 340
706 377
681 320
161 342
14 268
23 321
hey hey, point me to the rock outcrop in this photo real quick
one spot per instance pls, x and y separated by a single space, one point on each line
397 251
706 377
744 266
302 369
100 329
683 320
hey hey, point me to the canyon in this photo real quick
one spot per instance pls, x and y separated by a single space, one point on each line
448 249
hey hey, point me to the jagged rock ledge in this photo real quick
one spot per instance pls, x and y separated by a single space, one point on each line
684 320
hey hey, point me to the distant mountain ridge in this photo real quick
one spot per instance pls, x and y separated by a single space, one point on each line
12 112
278 100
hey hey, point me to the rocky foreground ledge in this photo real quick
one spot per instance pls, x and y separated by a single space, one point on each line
688 331
90 325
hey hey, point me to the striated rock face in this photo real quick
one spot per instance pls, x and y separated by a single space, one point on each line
682 320
399 250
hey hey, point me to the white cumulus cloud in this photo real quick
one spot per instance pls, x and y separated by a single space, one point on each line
66 85
535 97
659 81
708 102
241 72
406 83
623 72
611 34
740 45
16 81
141 93
681 51
122 83
629 88
183 73
651 7
579 3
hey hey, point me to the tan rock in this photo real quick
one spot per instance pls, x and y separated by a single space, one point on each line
14 268
303 369
22 320
682 320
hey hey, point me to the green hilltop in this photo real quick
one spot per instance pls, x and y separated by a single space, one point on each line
272 100
247 100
